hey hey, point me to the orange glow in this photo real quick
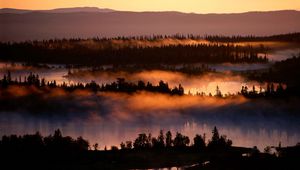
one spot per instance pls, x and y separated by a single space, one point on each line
197 6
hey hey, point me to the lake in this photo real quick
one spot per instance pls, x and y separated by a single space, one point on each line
112 118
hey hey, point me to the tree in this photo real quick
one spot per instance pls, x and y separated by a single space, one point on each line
155 144
95 146
82 144
114 148
215 136
169 140
180 140
122 145
267 149
253 89
161 139
199 142
128 144
142 141
218 92
217 142
57 134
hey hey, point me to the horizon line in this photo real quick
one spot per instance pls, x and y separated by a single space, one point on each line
137 11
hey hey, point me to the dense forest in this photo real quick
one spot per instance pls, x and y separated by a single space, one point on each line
34 52
186 69
291 37
155 49
119 86
286 71
58 143
35 96
63 152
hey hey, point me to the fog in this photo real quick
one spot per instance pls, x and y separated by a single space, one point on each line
227 81
283 54
110 118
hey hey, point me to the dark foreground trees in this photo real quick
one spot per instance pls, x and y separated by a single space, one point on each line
62 152
59 143
165 141
38 143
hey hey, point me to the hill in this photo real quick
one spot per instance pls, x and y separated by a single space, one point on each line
83 23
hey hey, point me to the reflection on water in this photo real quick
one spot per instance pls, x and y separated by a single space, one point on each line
54 72
120 118
114 118
108 133
284 54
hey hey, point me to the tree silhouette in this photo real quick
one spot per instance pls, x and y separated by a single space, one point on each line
161 139
79 54
181 141
142 142
169 140
119 86
199 142
215 135
217 142
218 92
95 146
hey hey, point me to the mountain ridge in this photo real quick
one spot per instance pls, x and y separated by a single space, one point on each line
96 9
57 10
39 25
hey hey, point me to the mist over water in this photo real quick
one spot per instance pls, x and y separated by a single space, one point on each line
110 118
227 81
284 54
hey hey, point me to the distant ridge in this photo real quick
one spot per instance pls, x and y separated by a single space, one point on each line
87 22
57 10
96 9
13 11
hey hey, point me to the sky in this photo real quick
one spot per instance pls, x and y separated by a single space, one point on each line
195 6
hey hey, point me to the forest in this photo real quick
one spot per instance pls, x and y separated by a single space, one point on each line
188 69
121 85
146 50
291 37
35 151
286 71
103 87
31 52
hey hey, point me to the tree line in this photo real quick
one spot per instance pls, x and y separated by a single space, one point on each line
78 53
34 151
186 68
180 141
121 85
282 72
290 37
37 143
66 144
